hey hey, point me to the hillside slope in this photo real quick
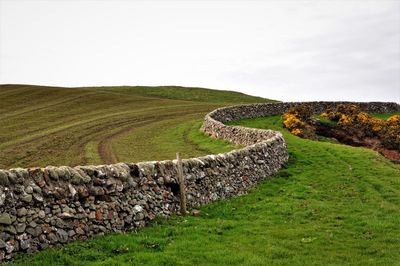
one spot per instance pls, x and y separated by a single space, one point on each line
70 126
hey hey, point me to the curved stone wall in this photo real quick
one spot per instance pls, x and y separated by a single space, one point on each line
42 207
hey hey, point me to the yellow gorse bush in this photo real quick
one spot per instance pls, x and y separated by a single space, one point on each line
298 121
350 118
296 132
292 121
394 120
345 120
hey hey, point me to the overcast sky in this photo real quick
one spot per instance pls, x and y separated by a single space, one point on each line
312 50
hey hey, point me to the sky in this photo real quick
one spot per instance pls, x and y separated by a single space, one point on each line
284 50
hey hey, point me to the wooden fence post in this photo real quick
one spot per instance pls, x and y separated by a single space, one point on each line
182 189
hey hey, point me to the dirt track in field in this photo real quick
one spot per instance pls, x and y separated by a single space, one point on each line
42 126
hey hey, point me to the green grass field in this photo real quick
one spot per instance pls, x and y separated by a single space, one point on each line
70 126
384 116
331 205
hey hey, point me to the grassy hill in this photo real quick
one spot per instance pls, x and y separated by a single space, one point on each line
332 205
70 126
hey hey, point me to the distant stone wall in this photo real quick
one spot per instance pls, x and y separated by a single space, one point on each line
42 207
214 121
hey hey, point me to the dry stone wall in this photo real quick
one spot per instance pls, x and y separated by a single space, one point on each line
42 207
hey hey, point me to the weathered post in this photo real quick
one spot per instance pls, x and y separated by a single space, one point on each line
182 189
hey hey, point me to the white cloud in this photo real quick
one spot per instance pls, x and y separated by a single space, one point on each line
336 50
